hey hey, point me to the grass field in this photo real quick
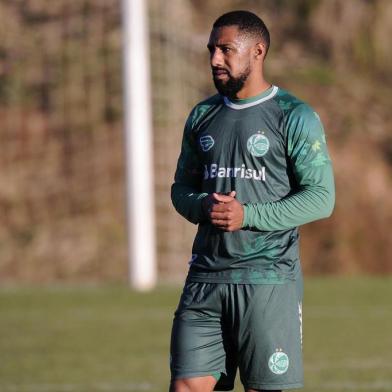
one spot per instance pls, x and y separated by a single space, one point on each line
66 339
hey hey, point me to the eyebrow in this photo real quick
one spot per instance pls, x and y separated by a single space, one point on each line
210 46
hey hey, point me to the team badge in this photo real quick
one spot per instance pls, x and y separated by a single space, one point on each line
258 144
278 362
206 142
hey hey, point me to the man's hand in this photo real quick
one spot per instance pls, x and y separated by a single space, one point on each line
224 211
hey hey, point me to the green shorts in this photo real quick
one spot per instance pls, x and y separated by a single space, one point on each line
219 327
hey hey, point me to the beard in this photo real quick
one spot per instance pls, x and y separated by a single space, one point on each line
233 85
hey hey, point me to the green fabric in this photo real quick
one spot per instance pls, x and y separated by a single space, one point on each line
315 196
185 194
274 155
216 375
218 328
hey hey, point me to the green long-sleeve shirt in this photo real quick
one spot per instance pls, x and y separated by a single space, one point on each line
271 150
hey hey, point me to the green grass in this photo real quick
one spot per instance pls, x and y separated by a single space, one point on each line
113 339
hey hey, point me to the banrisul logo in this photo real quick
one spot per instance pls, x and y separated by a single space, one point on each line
213 171
278 362
258 144
206 142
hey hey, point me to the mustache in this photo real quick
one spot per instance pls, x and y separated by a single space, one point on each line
219 70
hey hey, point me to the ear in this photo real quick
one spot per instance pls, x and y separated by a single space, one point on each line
259 51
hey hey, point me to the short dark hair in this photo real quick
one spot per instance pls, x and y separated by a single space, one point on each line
247 22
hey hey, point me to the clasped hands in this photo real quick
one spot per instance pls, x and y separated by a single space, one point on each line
224 211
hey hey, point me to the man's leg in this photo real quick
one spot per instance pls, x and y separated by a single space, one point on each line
200 352
194 384
269 338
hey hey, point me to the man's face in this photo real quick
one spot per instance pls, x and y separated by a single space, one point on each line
230 54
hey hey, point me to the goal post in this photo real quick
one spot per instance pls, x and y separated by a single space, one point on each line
138 146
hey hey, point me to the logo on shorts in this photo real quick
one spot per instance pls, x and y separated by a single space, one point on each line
206 142
258 144
278 362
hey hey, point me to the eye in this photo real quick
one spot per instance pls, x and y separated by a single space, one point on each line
226 50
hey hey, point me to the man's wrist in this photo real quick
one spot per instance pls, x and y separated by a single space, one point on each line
246 218
203 205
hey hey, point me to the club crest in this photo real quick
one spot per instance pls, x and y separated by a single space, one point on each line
278 362
258 144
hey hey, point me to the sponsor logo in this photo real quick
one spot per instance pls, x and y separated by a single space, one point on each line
213 171
258 144
278 362
206 142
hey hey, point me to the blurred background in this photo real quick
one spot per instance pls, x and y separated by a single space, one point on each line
68 321
62 192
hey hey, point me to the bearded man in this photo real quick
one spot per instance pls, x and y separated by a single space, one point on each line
253 167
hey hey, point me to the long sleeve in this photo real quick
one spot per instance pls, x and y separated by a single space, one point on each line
186 192
313 196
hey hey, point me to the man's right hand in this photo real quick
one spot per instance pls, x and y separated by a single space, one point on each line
215 198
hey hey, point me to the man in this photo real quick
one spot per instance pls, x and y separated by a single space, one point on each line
253 167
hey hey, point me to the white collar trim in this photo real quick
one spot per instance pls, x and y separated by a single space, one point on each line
248 105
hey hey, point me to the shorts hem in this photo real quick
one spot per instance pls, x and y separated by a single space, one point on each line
256 385
181 376
261 281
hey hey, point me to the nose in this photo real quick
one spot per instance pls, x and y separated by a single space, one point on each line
216 58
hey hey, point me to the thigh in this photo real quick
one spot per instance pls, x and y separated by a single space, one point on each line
198 342
194 384
270 352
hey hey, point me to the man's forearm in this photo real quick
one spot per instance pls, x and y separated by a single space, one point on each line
309 204
188 202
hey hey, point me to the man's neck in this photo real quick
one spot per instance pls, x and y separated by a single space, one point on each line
252 90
